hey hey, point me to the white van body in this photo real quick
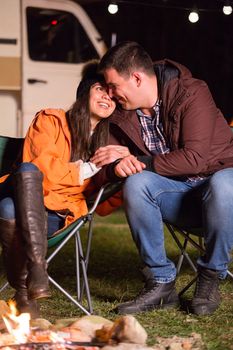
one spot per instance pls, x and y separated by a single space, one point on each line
43 46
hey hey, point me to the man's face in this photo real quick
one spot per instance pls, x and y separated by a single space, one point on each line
123 89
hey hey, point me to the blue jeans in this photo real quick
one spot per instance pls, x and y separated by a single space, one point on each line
7 206
151 199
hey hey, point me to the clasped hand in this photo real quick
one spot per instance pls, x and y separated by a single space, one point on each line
128 165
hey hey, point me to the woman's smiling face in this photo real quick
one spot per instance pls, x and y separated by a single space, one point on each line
100 104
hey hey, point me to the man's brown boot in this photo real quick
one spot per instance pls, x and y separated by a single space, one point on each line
153 296
206 296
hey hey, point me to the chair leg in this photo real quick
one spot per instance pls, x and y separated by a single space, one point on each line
88 248
4 286
84 271
182 248
230 273
79 260
68 295
201 243
78 275
187 287
185 255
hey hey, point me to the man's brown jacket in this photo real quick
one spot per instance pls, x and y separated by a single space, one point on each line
200 140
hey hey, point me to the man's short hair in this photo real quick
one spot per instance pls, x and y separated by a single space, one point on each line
126 57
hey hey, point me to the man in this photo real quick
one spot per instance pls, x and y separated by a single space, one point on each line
182 165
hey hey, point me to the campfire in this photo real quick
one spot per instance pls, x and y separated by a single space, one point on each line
88 332
17 326
85 333
20 335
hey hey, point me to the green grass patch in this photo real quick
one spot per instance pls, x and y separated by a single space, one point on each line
114 277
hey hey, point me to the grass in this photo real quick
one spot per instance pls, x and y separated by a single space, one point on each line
114 276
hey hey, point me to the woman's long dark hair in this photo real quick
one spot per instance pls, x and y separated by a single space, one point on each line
83 144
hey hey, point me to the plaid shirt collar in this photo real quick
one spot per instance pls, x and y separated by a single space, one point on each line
152 131
156 109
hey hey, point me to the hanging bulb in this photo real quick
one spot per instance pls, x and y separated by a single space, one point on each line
113 8
193 17
227 9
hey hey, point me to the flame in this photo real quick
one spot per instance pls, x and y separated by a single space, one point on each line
18 326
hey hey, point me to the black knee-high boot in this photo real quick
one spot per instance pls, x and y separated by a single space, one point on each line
15 263
32 222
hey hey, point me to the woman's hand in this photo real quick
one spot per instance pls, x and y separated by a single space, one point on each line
108 154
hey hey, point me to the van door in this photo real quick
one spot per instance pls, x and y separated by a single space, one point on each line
10 67
58 38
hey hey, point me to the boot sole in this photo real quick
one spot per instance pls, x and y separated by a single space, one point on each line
203 310
149 308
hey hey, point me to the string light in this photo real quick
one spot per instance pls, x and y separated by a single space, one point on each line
193 17
227 8
113 8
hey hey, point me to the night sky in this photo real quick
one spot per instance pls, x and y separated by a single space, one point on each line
163 29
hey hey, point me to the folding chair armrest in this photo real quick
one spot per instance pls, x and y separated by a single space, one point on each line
93 203
105 192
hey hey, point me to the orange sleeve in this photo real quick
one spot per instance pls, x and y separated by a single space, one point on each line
47 145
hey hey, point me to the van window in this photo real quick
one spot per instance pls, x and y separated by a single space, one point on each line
57 36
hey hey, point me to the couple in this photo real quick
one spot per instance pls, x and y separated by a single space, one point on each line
174 155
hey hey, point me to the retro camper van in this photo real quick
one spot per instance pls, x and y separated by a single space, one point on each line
43 46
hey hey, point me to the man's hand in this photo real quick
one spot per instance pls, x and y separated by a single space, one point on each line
128 166
108 154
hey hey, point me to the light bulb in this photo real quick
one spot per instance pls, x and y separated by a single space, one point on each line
112 8
193 17
227 10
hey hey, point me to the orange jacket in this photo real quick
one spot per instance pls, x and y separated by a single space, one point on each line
48 145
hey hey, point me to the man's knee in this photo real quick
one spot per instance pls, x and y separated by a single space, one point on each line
137 182
143 185
221 183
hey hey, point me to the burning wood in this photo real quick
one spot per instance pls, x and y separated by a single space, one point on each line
88 332
22 337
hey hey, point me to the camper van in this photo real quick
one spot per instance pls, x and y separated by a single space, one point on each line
43 47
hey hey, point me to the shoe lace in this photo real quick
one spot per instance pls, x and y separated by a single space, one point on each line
146 291
204 286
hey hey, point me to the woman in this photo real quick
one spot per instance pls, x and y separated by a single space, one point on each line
56 151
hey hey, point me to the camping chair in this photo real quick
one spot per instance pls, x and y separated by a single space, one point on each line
194 237
10 149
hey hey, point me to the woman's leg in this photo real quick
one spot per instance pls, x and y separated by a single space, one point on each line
31 220
14 257
55 222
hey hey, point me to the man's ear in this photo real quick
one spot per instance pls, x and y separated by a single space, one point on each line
137 76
